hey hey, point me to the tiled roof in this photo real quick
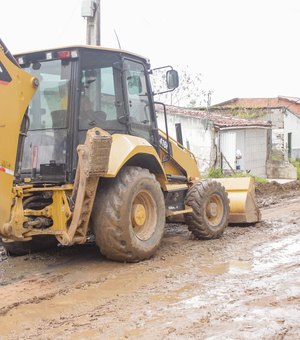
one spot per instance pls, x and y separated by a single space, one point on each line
291 103
250 103
221 118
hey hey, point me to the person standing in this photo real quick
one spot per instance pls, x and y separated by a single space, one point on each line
238 157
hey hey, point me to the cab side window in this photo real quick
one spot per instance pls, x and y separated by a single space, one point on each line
97 101
137 93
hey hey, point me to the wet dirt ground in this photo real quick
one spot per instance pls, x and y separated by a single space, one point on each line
245 285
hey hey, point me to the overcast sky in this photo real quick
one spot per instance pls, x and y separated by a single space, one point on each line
243 48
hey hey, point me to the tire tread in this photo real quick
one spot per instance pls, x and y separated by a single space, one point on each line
196 198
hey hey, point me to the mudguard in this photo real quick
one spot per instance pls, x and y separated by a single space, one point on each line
125 147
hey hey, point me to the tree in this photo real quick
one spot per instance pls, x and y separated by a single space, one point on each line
190 92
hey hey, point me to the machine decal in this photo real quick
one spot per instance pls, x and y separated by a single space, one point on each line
5 167
5 78
165 145
6 170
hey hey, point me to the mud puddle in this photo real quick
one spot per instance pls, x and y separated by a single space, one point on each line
16 268
245 285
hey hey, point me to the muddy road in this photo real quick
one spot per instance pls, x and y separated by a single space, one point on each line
245 285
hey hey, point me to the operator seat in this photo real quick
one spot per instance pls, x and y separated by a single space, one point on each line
89 118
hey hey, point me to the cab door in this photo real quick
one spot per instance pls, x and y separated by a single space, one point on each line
141 115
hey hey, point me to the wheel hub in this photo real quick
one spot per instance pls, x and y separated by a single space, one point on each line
138 214
212 210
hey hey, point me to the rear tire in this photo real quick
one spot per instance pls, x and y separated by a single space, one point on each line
37 244
210 204
128 217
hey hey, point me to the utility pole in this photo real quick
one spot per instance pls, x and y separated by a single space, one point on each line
90 10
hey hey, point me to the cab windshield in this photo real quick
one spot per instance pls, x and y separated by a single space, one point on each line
46 138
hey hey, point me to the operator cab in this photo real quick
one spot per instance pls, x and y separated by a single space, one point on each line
81 87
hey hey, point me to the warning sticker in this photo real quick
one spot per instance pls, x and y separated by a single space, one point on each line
6 170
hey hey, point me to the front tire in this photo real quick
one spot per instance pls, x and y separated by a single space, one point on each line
210 204
128 217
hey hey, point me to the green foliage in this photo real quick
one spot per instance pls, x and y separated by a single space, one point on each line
217 173
246 113
260 179
214 173
190 92
277 157
296 164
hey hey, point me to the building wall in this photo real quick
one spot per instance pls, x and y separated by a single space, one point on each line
292 126
255 151
252 142
198 136
228 150
276 116
283 123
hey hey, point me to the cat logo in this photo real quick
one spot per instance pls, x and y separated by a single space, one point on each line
5 78
167 146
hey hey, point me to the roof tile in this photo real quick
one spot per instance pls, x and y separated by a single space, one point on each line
220 117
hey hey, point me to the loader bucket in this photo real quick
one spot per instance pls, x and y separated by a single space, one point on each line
241 194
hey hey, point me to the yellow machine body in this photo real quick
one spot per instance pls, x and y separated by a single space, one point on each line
241 194
15 95
181 162
126 147
101 157
241 191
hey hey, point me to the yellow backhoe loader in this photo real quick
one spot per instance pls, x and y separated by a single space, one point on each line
81 153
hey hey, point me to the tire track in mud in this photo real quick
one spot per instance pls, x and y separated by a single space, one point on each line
47 296
234 286
207 305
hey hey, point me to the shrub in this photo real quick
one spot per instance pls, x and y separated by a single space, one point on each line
214 173
217 173
296 164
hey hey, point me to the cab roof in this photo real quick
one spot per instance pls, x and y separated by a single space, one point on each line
85 47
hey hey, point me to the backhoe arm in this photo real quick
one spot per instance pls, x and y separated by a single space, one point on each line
17 87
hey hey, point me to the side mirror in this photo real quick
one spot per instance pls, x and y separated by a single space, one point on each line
172 79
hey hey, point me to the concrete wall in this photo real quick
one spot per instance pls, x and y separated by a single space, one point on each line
252 142
283 123
198 136
276 116
281 169
292 125
256 151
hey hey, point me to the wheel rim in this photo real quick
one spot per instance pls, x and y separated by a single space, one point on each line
214 210
143 215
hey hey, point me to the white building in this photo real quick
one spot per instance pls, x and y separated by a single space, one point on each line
215 137
284 115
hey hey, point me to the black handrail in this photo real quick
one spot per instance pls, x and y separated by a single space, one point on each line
167 132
